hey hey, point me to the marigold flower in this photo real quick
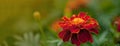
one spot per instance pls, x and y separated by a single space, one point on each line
78 28
117 23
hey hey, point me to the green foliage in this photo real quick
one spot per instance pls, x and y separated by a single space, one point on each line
28 39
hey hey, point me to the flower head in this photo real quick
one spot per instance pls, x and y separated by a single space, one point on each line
117 23
78 28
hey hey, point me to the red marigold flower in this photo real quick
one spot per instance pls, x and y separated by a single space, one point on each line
78 28
117 22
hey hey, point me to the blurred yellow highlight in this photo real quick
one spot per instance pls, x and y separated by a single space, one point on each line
36 15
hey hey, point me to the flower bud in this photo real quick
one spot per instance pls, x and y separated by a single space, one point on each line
36 15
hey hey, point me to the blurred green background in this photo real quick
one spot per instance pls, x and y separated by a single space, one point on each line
33 22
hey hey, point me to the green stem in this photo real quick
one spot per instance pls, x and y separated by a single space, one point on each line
42 34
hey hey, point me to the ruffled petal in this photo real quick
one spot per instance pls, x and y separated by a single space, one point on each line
65 18
82 14
86 18
91 24
74 16
94 30
67 36
64 24
75 29
84 36
88 26
118 28
74 39
61 34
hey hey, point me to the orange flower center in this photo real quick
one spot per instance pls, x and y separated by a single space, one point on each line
77 21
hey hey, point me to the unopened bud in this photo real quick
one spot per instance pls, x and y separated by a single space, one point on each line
36 15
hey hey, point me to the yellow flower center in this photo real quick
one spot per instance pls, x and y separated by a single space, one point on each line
77 20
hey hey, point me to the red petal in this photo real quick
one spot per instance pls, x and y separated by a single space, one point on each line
82 14
74 39
88 26
92 22
118 28
74 16
65 18
86 18
64 24
75 30
84 36
61 34
94 30
61 23
67 36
